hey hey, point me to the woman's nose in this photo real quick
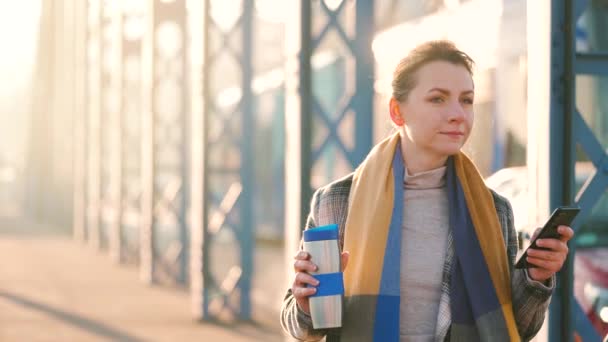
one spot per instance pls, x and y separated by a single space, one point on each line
457 113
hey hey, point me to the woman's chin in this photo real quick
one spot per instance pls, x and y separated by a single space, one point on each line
449 150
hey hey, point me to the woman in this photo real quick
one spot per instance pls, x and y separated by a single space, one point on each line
430 249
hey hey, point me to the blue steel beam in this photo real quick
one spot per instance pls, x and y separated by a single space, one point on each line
586 199
359 103
305 93
596 186
590 194
588 141
592 64
567 129
246 237
333 132
364 90
561 163
583 326
312 117
228 188
595 63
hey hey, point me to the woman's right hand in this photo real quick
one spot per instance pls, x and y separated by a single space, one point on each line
302 267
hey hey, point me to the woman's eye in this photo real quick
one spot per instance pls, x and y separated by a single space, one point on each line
437 99
468 101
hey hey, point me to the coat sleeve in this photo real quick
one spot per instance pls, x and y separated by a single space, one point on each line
294 321
329 204
530 298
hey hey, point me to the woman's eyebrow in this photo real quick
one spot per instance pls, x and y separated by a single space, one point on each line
441 90
447 92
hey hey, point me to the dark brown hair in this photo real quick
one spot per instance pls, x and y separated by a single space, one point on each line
404 76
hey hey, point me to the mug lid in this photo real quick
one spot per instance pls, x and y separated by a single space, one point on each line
328 232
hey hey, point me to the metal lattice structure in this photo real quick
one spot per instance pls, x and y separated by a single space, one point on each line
163 235
103 125
342 122
111 127
331 118
93 124
226 242
569 129
132 31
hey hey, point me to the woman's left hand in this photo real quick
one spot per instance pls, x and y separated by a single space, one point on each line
549 261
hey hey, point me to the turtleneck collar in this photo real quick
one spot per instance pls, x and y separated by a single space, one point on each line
431 179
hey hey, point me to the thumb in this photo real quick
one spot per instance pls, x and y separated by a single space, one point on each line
344 258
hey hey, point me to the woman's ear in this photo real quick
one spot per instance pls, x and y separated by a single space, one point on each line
395 112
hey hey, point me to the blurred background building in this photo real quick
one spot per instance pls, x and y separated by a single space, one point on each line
186 137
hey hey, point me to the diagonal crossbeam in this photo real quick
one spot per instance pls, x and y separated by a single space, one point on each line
333 24
332 133
585 136
597 184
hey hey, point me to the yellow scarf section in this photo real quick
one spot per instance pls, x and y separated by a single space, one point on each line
369 216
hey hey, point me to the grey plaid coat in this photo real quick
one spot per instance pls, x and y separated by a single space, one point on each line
530 298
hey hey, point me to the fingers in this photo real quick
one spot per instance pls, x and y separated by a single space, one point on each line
554 255
302 255
555 245
301 292
303 263
300 288
546 254
548 260
566 233
304 266
551 259
545 265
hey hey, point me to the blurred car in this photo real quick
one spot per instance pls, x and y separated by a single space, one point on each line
591 258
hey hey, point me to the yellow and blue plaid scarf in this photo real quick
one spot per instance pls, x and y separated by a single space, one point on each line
480 291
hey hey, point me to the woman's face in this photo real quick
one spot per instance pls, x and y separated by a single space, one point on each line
438 112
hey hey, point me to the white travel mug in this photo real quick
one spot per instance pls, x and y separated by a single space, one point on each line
326 304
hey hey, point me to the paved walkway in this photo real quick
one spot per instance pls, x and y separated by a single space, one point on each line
54 289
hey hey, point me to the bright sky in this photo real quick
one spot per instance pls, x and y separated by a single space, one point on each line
18 30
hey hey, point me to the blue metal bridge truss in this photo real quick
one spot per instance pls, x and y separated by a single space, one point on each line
568 129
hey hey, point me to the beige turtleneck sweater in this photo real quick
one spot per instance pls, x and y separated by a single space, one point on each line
423 248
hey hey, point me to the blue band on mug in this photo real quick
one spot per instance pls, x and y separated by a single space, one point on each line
330 284
329 232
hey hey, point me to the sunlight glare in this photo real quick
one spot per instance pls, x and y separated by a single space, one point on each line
18 16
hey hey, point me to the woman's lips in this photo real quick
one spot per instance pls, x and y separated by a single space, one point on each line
453 134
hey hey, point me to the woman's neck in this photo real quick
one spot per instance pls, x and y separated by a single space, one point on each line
418 160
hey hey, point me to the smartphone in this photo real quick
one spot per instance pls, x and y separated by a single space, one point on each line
562 216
